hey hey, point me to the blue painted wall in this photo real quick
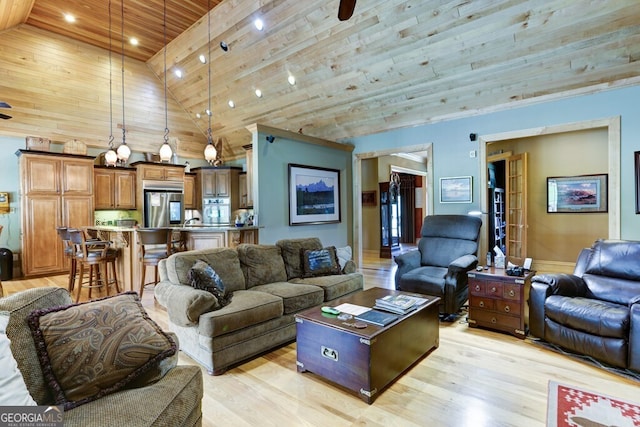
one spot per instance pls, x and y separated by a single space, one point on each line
451 143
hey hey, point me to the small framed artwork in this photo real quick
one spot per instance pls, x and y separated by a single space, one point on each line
369 198
637 169
577 194
457 189
314 195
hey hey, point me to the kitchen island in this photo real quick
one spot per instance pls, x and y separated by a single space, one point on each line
193 237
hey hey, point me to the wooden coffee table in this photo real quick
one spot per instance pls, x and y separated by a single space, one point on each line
367 360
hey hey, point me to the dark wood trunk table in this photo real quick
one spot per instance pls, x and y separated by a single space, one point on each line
367 360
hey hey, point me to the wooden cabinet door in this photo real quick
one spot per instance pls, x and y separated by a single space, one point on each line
201 240
43 253
124 190
103 183
40 174
190 192
249 157
516 204
77 211
223 183
152 172
77 177
242 190
208 183
173 174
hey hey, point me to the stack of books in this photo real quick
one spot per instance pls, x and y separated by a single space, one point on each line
399 304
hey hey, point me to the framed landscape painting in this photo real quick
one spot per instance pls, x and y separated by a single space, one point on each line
314 195
577 194
457 189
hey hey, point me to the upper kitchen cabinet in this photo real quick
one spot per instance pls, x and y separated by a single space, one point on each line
156 172
218 182
114 188
190 199
57 190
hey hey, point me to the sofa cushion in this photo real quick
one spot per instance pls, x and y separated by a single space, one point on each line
292 250
295 296
14 390
202 276
92 349
249 307
23 347
592 316
426 280
224 261
335 286
261 264
321 262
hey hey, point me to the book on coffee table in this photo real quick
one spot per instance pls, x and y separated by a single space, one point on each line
376 317
399 304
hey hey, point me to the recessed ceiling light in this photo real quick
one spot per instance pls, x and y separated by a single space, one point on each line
258 93
198 115
208 112
69 18
259 24
231 103
291 80
178 73
133 41
203 59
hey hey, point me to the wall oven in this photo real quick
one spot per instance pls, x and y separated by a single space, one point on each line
216 211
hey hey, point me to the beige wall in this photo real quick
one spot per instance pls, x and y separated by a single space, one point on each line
560 236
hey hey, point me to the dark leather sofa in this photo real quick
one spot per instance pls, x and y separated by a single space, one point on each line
596 310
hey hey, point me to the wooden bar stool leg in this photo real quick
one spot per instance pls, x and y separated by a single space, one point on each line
80 278
106 277
142 274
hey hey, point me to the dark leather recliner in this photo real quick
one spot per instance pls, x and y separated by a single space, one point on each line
447 250
596 310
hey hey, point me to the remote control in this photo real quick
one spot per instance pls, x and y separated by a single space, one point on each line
330 310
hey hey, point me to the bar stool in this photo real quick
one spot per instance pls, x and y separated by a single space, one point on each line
69 252
94 254
155 244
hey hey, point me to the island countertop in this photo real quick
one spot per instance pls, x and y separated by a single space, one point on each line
193 228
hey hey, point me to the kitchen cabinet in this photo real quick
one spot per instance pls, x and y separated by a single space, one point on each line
218 182
206 240
249 168
114 188
238 236
56 190
190 199
242 191
157 172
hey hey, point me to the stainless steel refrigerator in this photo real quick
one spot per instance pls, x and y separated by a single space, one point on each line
163 204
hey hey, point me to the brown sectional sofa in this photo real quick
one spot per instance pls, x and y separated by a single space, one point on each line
268 287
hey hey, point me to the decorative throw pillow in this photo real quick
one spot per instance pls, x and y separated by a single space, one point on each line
344 255
322 262
14 390
203 276
92 349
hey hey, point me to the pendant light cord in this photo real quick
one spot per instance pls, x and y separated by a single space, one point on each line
209 136
166 111
110 87
122 41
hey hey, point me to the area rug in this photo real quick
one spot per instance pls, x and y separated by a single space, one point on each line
570 406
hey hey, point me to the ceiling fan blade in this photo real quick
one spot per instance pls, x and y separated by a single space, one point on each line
4 105
346 9
4 116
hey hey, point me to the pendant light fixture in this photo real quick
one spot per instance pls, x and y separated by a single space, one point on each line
165 149
210 152
123 150
111 158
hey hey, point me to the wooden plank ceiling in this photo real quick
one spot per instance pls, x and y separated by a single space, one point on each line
394 64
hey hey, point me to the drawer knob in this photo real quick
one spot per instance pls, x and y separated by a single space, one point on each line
493 290
481 304
477 288
507 309
494 320
512 293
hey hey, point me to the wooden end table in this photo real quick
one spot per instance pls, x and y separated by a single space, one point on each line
498 301
367 360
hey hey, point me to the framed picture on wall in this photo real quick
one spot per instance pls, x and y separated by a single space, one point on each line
314 195
577 194
457 189
637 169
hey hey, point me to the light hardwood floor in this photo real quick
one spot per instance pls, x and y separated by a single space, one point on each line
475 378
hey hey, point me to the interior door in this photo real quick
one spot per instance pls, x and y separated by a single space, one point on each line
516 171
